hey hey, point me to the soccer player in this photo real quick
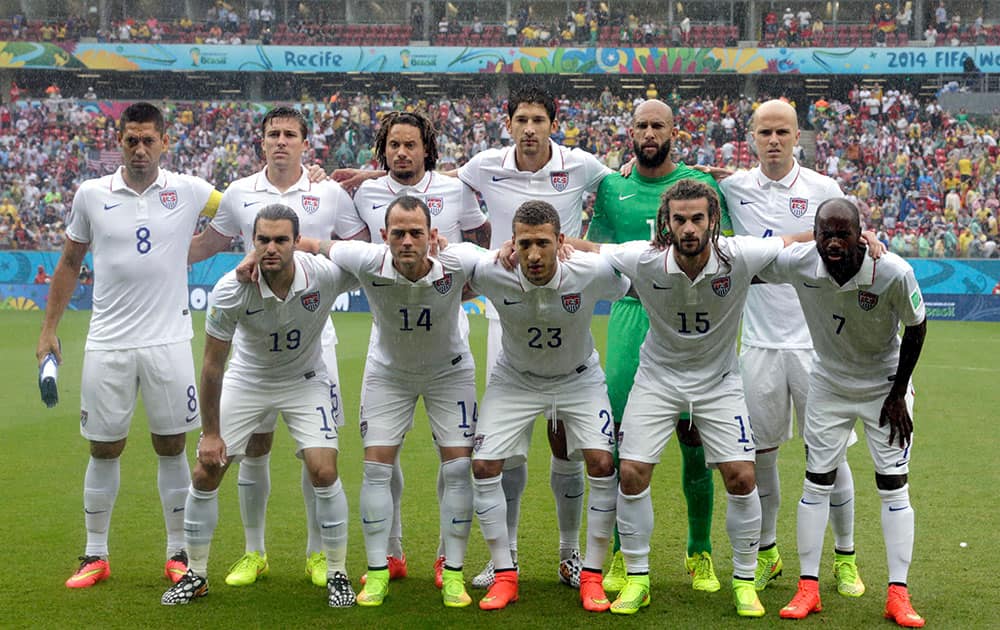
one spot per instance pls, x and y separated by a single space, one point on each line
780 196
854 307
318 204
138 223
547 365
418 348
693 284
406 147
625 209
277 366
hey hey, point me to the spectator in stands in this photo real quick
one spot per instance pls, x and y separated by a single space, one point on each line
941 17
41 277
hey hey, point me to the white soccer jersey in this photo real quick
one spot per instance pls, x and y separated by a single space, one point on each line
759 206
693 325
279 340
416 324
562 182
318 205
453 206
855 327
546 329
139 242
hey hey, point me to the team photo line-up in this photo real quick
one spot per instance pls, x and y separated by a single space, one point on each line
691 259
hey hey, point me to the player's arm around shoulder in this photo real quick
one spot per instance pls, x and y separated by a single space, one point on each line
329 275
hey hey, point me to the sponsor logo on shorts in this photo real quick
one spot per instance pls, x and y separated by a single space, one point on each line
310 203
867 301
443 285
310 301
83 418
364 428
468 434
435 205
191 418
559 179
721 286
169 199
477 443
798 206
571 302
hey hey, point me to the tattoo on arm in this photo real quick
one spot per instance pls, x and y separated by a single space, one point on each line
480 236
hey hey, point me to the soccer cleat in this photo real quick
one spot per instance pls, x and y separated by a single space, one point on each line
769 566
340 594
453 589
569 570
189 587
806 601
592 592
614 579
746 600
248 569
634 595
485 577
438 568
397 568
503 591
845 570
176 566
375 589
316 569
899 609
93 569
702 572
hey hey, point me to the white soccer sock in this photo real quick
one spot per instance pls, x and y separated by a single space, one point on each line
842 508
635 528
514 481
769 489
456 509
897 531
814 512
173 478
491 508
395 546
254 486
100 489
440 493
601 506
331 512
314 536
566 481
201 515
376 510
743 527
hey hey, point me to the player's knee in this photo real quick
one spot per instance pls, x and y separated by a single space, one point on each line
600 463
259 444
107 450
687 434
169 445
206 479
323 474
739 479
486 468
890 482
634 477
822 479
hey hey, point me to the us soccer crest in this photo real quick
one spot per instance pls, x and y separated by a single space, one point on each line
169 199
798 206
867 301
559 179
435 205
443 285
571 302
310 203
364 428
311 301
721 286
477 443
83 417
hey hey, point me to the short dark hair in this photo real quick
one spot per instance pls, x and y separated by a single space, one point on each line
142 112
407 202
285 112
536 212
277 212
688 189
839 203
416 119
531 94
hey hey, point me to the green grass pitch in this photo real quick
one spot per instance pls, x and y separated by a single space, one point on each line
953 486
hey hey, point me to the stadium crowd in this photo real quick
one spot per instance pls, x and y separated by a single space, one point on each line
926 179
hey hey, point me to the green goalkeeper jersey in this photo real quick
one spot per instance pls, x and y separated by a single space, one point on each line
625 208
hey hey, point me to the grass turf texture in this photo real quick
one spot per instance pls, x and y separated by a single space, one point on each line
953 487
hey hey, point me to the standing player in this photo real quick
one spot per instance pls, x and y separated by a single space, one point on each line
547 365
418 348
854 306
278 366
283 180
625 210
406 147
780 196
138 223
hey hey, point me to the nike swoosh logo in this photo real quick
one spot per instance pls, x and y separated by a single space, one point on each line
841 504
331 525
597 509
249 312
191 419
499 179
804 502
110 206
376 206
810 286
744 202
656 286
367 522
747 449
94 512
247 204
180 509
245 484
898 509
901 463
507 302
573 496
382 284
330 436
459 521
485 511
468 434
624 197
